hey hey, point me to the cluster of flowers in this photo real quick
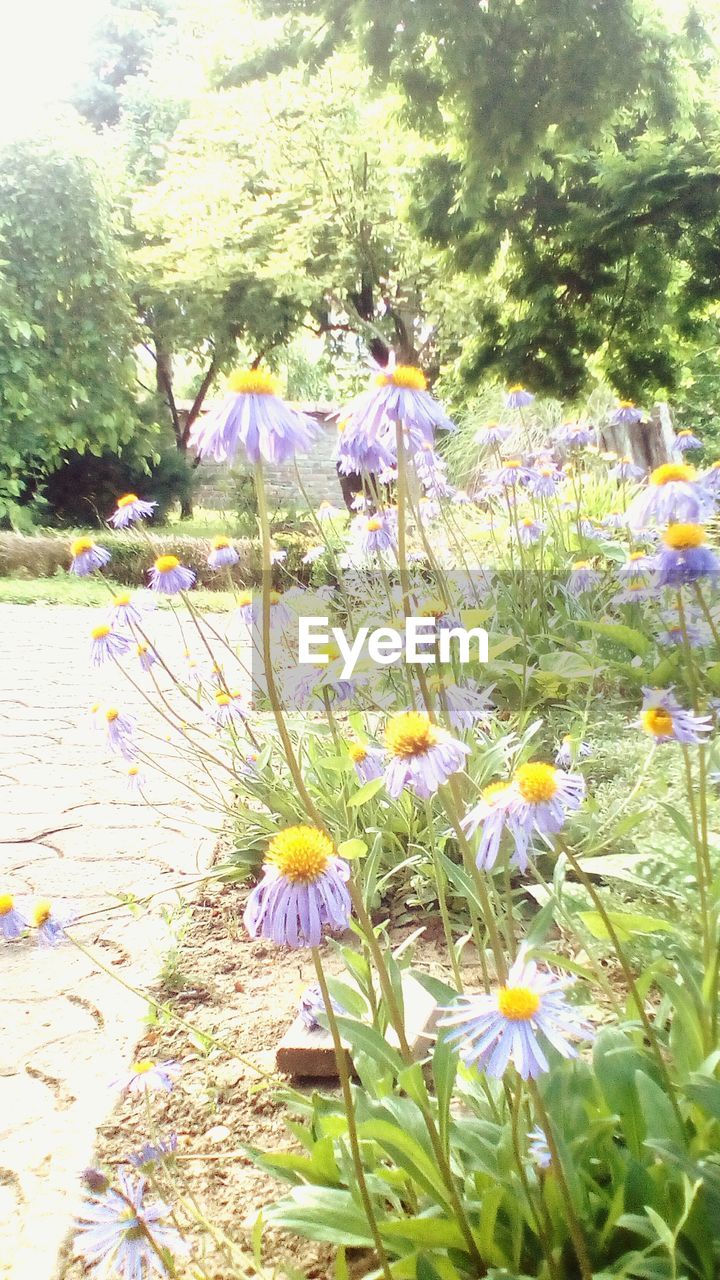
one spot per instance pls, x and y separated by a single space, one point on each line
306 889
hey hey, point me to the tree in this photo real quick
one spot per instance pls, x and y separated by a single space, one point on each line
572 176
67 329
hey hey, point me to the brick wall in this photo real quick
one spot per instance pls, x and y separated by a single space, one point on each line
217 483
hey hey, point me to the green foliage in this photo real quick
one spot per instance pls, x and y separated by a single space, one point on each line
85 487
66 318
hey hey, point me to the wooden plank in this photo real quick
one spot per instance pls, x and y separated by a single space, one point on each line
303 1053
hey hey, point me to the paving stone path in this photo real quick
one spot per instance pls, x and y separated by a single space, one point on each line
71 831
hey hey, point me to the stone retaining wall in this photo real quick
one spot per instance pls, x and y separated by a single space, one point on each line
217 484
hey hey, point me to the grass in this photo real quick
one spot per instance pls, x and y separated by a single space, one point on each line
91 592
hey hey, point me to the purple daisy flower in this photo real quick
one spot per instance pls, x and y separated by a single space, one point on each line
431 471
87 556
538 1149
129 509
120 730
422 756
254 417
489 816
582 578
357 455
540 799
120 1234
12 921
574 435
311 1003
638 567
376 533
517 397
169 576
672 495
530 531
674 634
570 750
328 511
134 780
626 414
513 472
492 435
50 924
367 761
303 890
662 717
637 591
685 440
126 610
545 481
684 556
514 1022
153 1152
466 704
106 644
626 470
230 708
223 555
614 520
399 394
148 1076
145 656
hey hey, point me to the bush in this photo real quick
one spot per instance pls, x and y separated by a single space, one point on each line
85 488
44 556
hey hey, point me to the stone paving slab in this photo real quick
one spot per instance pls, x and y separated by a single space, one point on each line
70 830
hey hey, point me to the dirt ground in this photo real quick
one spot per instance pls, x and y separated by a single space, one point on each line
245 993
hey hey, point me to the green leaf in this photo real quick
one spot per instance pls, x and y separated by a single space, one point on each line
366 792
326 1214
350 849
627 637
408 1154
369 1041
625 923
661 1123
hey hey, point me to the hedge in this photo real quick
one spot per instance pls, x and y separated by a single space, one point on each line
44 556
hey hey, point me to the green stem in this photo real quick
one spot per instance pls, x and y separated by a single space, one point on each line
344 1076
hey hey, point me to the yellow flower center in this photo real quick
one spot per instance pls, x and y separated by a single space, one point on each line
658 721
373 525
410 734
686 432
546 471
518 1004
141 650
627 404
222 699
301 854
680 537
6 903
142 1066
99 633
513 462
536 781
253 382
126 499
80 545
671 472
111 714
493 790
164 564
433 609
516 386
133 771
404 375
581 564
528 522
42 912
121 600
637 555
220 543
244 598
275 597
357 752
